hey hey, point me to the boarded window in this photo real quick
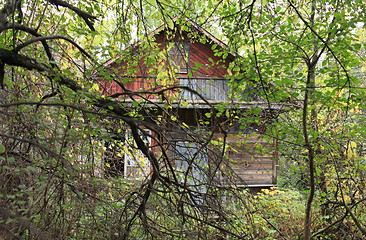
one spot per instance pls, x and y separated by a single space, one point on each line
179 56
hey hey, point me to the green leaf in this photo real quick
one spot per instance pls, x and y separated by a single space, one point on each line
184 103
2 149
197 64
135 103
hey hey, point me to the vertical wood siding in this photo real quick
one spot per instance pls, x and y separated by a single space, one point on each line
210 89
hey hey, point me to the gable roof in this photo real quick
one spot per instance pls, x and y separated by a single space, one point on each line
194 27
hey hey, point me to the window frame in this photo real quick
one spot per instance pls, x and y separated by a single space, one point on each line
179 55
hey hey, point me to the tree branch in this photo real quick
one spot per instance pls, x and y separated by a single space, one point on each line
42 38
16 26
89 19
8 9
14 59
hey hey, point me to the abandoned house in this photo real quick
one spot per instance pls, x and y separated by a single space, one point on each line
188 62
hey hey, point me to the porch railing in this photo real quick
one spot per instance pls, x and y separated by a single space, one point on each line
210 89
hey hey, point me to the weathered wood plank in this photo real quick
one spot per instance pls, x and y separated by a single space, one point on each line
249 160
251 172
261 167
254 182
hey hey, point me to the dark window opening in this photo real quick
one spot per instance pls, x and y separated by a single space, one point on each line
122 158
114 159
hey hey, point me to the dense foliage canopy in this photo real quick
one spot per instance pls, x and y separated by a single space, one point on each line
55 123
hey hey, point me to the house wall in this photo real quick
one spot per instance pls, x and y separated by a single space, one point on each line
248 161
147 77
253 160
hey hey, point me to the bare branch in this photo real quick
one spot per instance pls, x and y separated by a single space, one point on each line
89 19
33 32
42 38
8 9
15 59
324 41
5 213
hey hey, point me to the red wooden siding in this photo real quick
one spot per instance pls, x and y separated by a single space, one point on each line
200 53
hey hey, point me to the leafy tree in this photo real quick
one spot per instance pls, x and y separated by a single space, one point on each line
307 49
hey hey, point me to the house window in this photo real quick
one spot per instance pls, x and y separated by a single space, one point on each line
123 158
137 165
179 56
114 158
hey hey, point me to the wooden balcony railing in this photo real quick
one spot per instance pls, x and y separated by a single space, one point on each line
210 89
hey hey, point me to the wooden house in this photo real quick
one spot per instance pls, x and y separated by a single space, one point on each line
191 58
